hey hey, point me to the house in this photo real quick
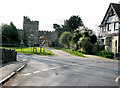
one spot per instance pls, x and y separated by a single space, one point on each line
109 29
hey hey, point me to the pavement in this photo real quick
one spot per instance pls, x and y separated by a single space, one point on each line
93 56
9 69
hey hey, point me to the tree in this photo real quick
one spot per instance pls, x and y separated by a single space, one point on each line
58 29
5 33
65 38
13 32
73 23
76 36
69 25
9 33
87 34
85 44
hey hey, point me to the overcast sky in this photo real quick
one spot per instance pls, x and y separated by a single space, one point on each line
48 12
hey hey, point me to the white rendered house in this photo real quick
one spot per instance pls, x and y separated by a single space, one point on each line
109 34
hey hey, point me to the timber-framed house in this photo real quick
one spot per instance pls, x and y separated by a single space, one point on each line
109 32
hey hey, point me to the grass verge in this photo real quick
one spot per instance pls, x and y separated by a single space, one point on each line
30 50
76 53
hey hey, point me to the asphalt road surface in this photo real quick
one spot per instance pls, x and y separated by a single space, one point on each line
64 69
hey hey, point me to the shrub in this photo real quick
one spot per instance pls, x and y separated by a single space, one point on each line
79 51
106 54
55 44
85 44
65 38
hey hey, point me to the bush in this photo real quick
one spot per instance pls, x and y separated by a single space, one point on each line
55 44
65 38
106 54
79 51
86 45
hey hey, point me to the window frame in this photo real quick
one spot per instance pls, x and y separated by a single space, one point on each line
115 26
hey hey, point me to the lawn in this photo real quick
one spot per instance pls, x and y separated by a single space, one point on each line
76 53
30 50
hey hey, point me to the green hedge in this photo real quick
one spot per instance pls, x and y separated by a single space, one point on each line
106 54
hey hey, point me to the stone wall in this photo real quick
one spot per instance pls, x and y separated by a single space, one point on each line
52 35
112 44
7 55
114 47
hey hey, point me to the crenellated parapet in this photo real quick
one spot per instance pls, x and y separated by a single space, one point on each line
28 21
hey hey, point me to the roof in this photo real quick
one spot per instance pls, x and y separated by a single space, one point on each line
43 38
115 7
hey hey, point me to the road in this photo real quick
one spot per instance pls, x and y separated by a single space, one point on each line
64 69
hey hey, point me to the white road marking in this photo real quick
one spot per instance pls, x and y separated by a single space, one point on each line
41 63
44 70
117 79
36 72
27 74
73 64
53 64
52 68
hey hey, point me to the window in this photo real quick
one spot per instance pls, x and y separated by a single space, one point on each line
103 29
102 41
100 29
116 26
107 27
111 26
111 19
